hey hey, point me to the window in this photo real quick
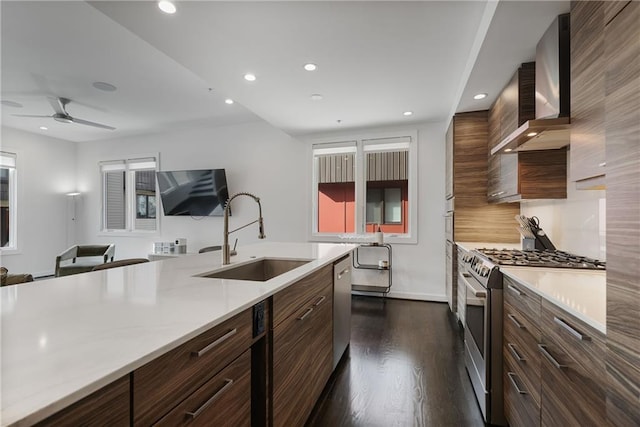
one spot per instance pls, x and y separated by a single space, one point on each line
129 195
8 200
360 184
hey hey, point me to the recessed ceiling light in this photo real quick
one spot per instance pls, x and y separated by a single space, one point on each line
316 97
407 113
508 150
310 67
8 103
228 101
532 134
480 96
167 6
44 128
107 87
250 77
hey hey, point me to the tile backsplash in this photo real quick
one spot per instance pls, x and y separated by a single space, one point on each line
576 224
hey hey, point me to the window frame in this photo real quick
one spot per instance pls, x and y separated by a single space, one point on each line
360 235
13 201
130 165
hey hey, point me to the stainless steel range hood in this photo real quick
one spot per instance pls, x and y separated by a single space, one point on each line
550 129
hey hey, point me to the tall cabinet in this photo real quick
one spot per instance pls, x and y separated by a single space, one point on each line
469 216
622 136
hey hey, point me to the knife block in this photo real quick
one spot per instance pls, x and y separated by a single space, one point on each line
529 244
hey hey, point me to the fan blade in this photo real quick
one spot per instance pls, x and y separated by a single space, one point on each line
28 115
58 104
88 123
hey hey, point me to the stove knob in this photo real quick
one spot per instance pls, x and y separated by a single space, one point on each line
485 271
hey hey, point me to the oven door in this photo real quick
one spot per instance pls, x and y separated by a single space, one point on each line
477 323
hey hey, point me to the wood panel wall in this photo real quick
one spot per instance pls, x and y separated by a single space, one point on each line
622 131
475 220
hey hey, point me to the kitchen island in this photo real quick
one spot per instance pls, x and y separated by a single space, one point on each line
65 338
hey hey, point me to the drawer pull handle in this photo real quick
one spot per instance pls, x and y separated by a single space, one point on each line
306 313
571 330
512 377
227 383
515 353
217 342
345 271
550 358
320 301
515 290
515 321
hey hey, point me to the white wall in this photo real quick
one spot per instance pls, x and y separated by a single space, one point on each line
45 173
418 269
258 158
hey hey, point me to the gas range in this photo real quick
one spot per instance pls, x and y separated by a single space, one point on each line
540 258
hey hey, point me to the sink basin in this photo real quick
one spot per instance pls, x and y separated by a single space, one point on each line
257 271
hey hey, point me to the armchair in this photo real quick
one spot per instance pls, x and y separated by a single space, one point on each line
96 254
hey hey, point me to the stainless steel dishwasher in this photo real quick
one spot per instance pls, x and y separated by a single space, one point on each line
341 307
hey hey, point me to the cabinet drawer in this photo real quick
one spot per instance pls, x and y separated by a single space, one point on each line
572 370
164 382
520 408
322 341
223 400
579 341
289 300
109 406
521 348
525 302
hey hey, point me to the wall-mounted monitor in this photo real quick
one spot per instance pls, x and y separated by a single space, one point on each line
200 192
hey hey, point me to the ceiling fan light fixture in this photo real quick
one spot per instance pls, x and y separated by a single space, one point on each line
167 6
104 86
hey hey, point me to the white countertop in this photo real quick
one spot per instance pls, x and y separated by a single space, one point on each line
67 337
582 293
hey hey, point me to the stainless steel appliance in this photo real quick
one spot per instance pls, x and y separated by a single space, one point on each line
483 334
341 307
537 258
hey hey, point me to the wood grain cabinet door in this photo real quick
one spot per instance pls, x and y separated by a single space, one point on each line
224 400
587 154
108 406
321 343
291 380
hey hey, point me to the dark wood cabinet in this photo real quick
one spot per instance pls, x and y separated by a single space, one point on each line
554 363
525 174
573 370
163 383
109 406
448 166
223 400
302 346
587 154
622 131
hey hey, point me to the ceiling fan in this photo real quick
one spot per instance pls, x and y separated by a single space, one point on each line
61 114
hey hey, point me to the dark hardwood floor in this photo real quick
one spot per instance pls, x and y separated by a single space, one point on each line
405 367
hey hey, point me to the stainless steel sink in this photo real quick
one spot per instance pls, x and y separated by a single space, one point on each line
257 271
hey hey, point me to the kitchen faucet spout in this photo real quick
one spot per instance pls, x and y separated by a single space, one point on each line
226 253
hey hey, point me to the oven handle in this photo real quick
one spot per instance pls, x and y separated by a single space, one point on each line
478 291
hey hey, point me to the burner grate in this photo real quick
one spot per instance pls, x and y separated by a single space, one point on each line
536 258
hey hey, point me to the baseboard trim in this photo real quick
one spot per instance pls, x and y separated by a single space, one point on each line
405 295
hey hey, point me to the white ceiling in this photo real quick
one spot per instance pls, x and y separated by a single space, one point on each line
375 61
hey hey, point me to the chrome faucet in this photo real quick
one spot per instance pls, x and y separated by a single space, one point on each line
226 253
